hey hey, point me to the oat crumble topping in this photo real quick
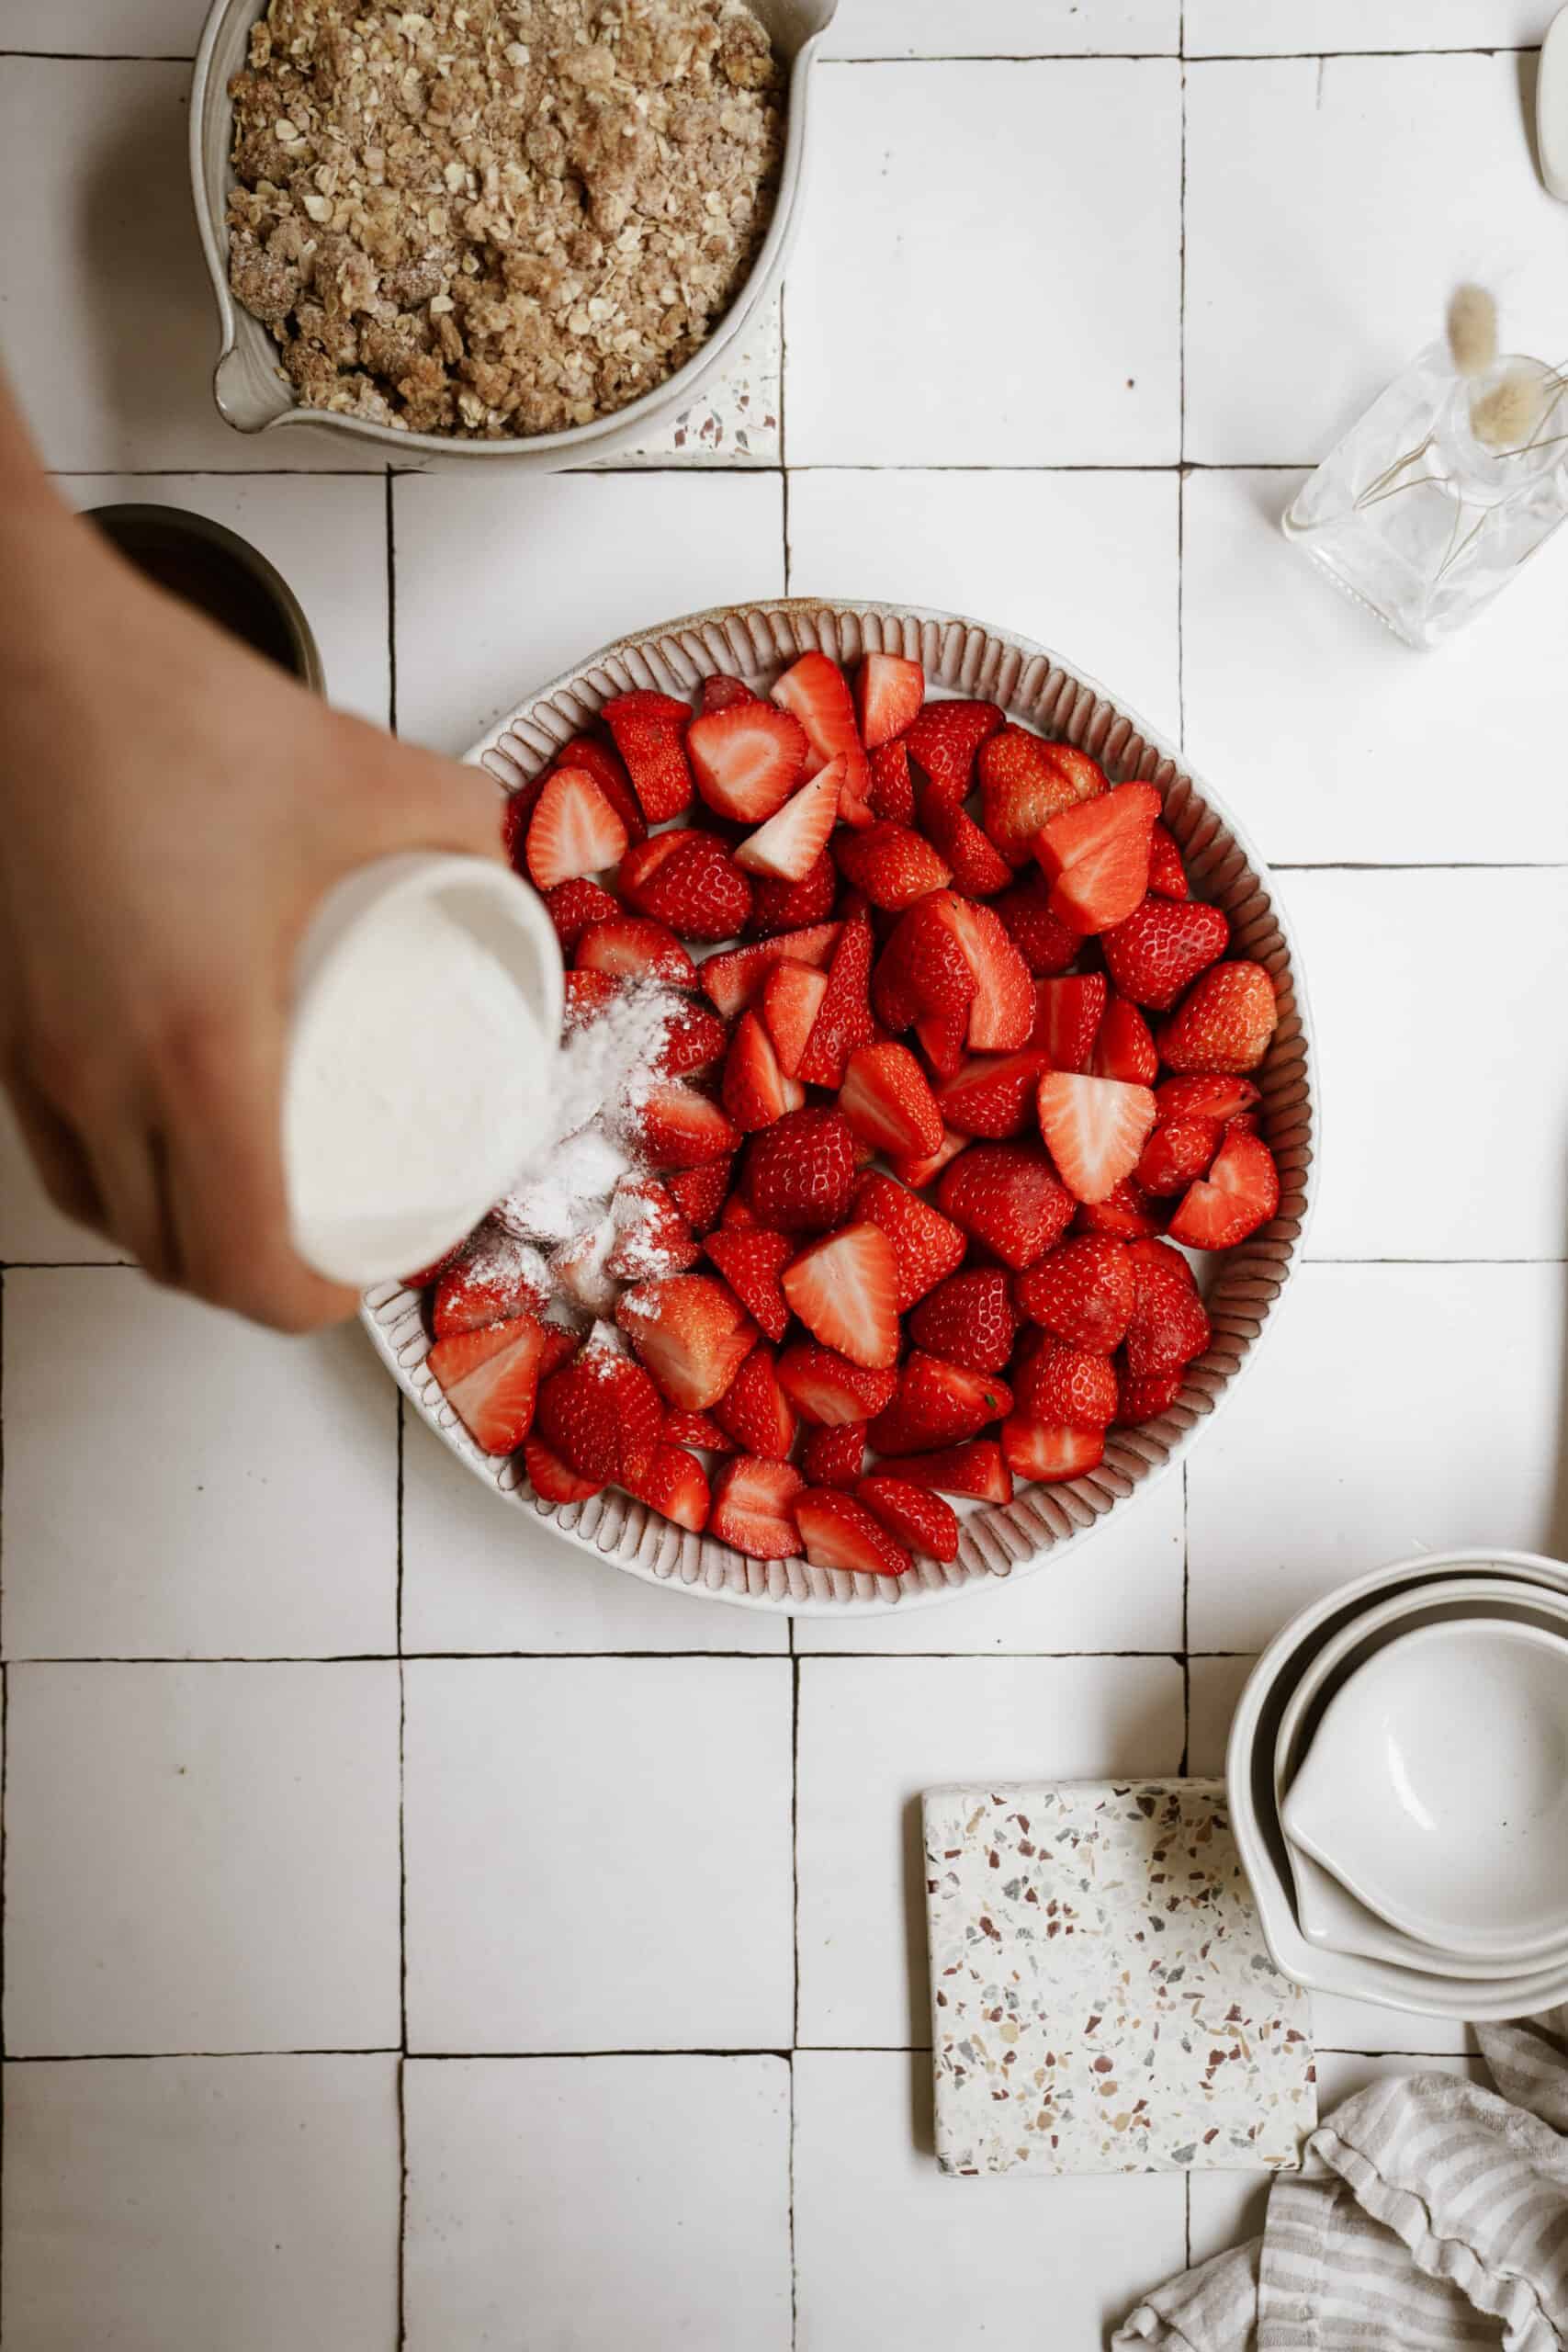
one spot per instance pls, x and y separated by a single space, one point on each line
498 217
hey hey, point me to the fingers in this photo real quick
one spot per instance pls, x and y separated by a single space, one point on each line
421 801
61 1164
127 1161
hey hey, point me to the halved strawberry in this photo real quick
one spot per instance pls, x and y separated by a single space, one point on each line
694 1037
1067 1015
649 731
736 1212
1240 1193
888 694
602 1413
554 1480
1123 1047
921 1172
1001 1011
993 1094
604 764
839 1533
490 1379
733 979
970 1319
691 1333
945 739
515 812
676 1127
844 1018
1083 1291
834 1454
792 906
924 967
652 1237
1056 1383
574 830
938 1403
579 1270
1096 857
724 693
674 1485
585 995
1224 1025
494 1278
1178 1153
561 1346
789 844
977 870
755 1410
634 947
681 1427
1145 1399
1169 1326
756 1091
792 998
1218 1097
892 864
915 1515
1126 1214
814 691
1024 782
974 1469
887 1101
828 1389
748 759
1163 945
700 1193
1007 1195
1049 1451
926 1245
844 1290
750 1510
1167 875
892 785
573 906
942 1037
751 1260
798 1171
1094 1129
689 880
1046 945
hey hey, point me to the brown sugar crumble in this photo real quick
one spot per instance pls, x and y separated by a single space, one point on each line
489 217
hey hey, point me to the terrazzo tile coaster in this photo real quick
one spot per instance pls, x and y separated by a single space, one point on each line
734 419
1101 1996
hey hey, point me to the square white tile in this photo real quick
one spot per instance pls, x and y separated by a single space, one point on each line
478 1577
598 2201
598 1854
1397 1409
1223 2210
1334 742
106 28
1327 228
872 1735
954 299
1213 1687
1087 562
99 256
936 28
1339 2024
1266 28
31 1227
1403 1003
201 1857
504 583
246 2203
1118 1590
328 538
888 2250
179 1483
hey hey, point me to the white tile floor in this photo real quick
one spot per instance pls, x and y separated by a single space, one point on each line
399 1910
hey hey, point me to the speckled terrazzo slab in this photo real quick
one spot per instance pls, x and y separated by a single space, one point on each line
734 420
1102 2000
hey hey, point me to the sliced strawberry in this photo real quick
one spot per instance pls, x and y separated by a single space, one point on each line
887 1101
993 1094
608 770
493 1279
915 1515
724 693
490 1379
1001 1011
970 1319
1046 945
1049 1451
926 1246
694 1037
675 1483
834 1454
814 691
1067 1015
1024 782
792 998
574 830
553 1480
892 785
756 1091
750 1510
1126 1214
602 1413
974 1469
1007 1195
1167 875
585 995
755 1410
675 1127
892 864
1224 1025
652 1237
977 870
700 1193
1178 1153
689 880
828 1389
839 1533
945 739
1240 1193
1205 1098
795 837
516 810
1162 947
921 1172
573 906
681 1427
747 759
888 694
844 1290
733 979
844 1020
1169 1326
691 1333
633 948
938 1403
798 1171
1096 857
1123 1047
924 967
1145 1399
580 1272
651 730
1083 1291
1094 1129
561 1346
942 1037
751 1260
1056 1383
792 906
736 1213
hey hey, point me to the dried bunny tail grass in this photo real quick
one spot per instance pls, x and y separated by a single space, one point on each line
1473 330
1504 417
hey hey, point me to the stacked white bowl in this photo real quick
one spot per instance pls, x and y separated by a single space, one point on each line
1398 1780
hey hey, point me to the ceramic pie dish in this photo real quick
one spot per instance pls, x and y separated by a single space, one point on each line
1041 689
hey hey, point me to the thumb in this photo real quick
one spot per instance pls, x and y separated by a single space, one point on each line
416 799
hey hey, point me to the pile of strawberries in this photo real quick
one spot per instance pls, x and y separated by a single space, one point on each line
916 1151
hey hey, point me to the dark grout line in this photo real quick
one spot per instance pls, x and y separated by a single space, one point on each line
1318 56
587 2057
156 2057
392 709
794 2269
681 1657
582 2057
795 1828
1018 57
103 56
1419 865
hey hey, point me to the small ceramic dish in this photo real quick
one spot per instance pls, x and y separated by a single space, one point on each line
1436 1789
1331 1917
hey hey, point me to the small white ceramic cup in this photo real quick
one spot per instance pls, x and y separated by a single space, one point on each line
506 918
